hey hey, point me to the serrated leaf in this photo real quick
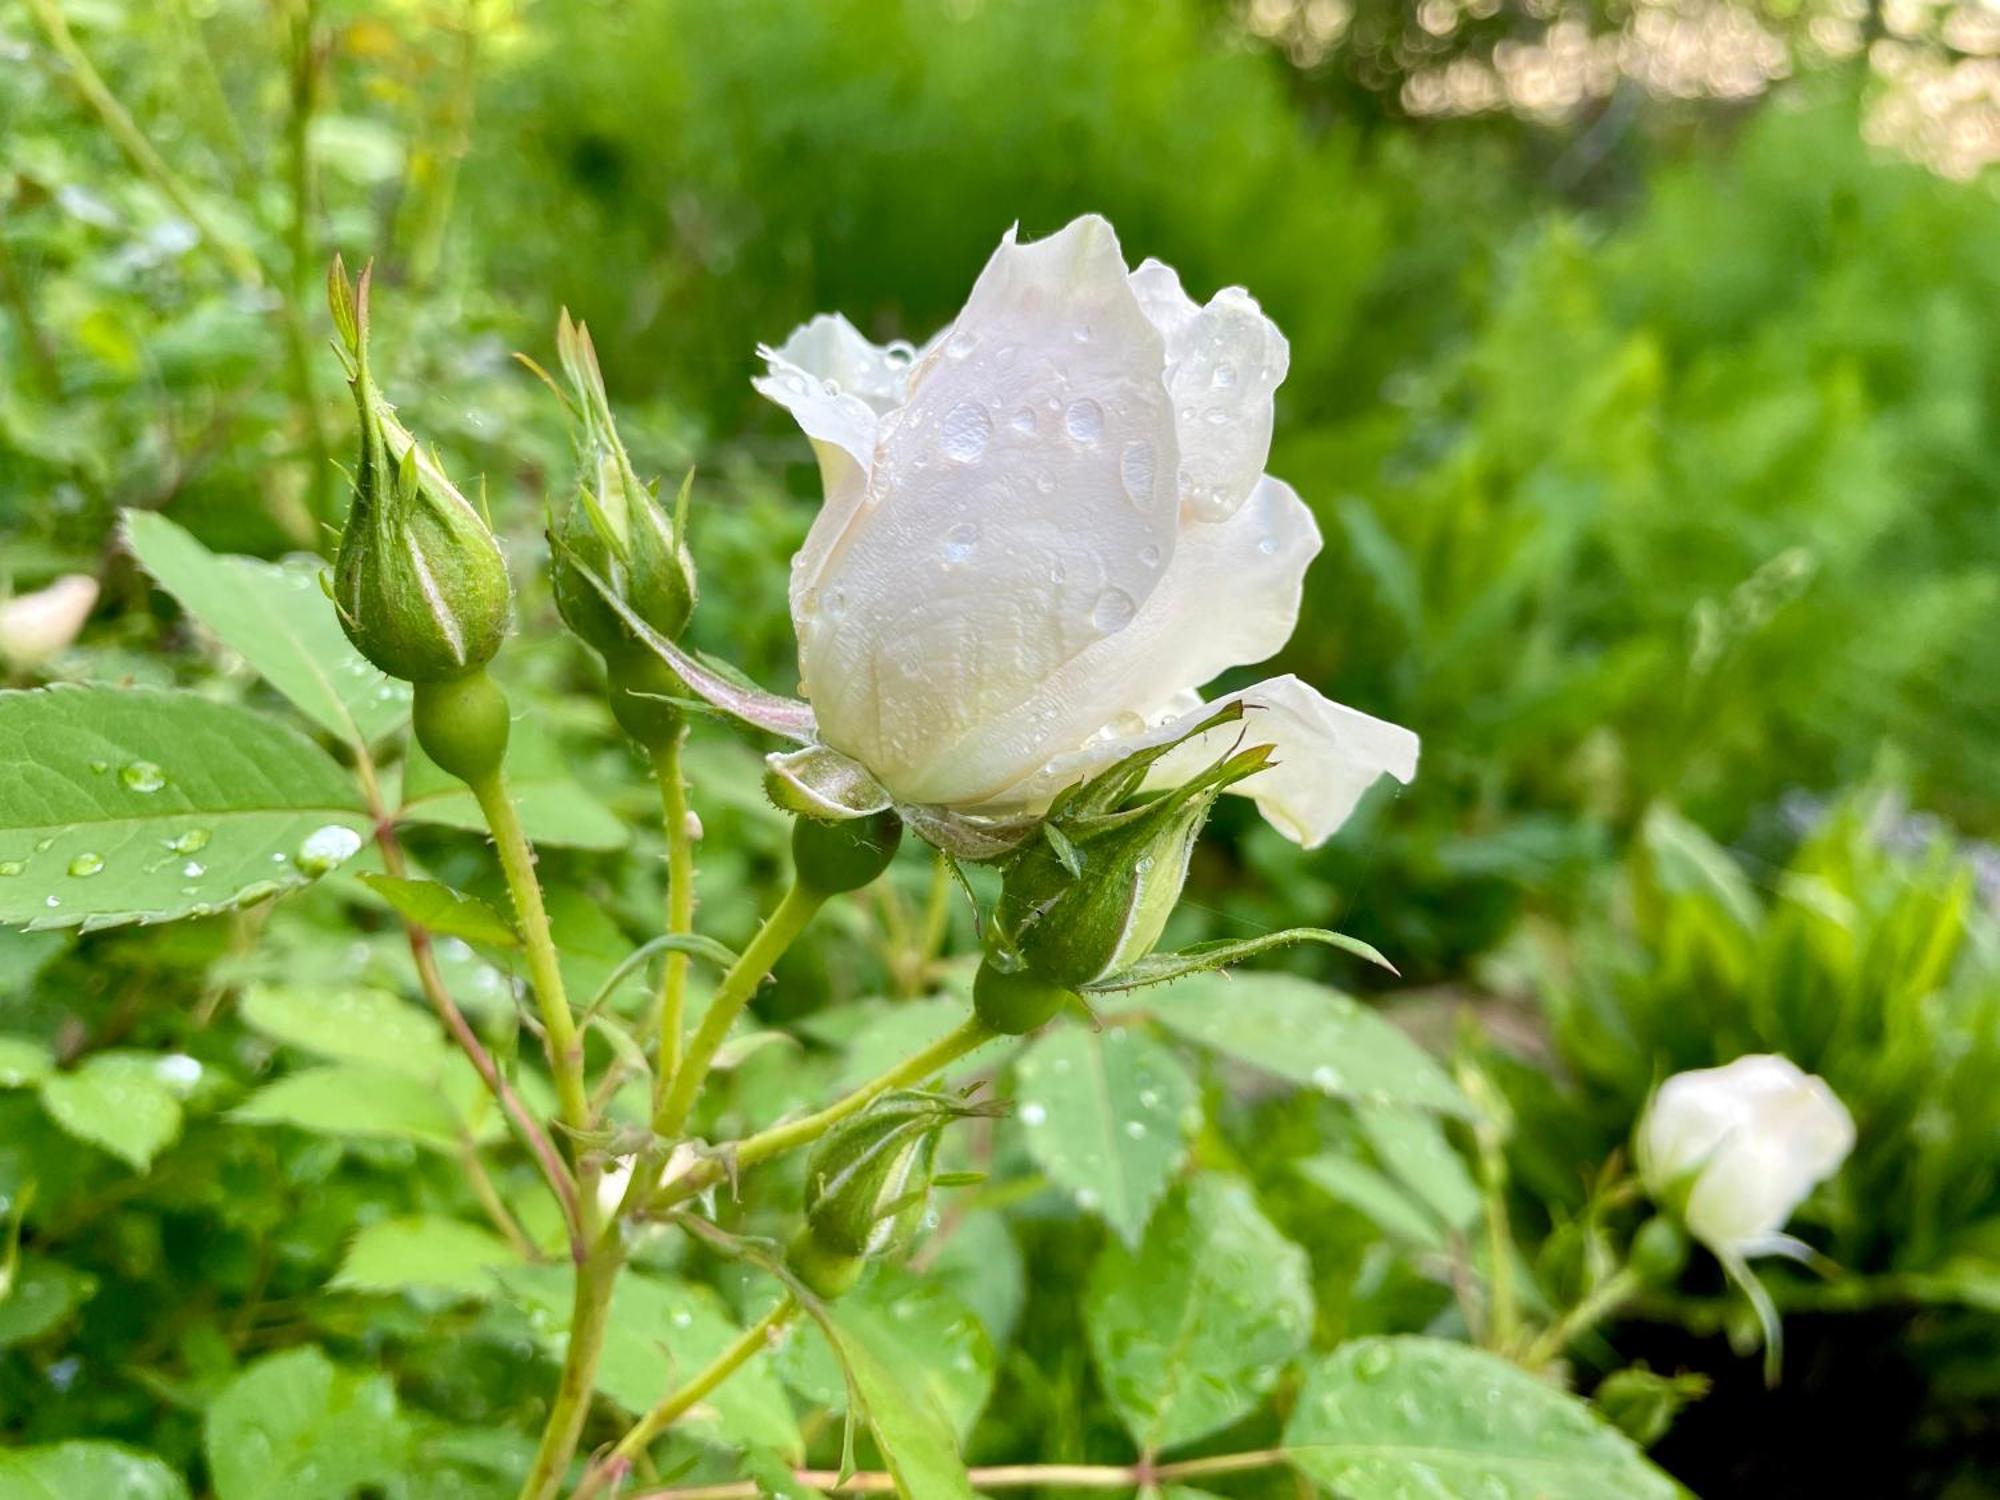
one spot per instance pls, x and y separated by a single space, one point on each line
1384 1419
920 1326
277 618
662 1332
554 807
86 1470
443 911
359 1100
296 1427
914 1434
1106 1114
42 1295
349 1025
133 805
1308 1034
24 1062
425 1253
1191 1331
117 1101
1204 958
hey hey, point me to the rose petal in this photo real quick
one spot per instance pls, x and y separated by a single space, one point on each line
1224 362
842 429
1328 755
1230 596
829 348
1020 512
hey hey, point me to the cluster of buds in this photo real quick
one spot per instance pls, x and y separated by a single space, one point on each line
1090 895
616 531
419 582
867 1183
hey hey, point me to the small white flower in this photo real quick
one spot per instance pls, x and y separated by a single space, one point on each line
1044 531
35 627
1736 1149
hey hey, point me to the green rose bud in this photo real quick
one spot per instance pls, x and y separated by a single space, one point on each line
834 858
419 582
1093 893
867 1182
615 525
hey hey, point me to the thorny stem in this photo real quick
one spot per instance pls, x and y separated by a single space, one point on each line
738 985
680 910
765 1144
565 1046
424 956
672 1408
1002 1477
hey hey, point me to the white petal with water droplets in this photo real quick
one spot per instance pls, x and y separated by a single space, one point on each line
1003 535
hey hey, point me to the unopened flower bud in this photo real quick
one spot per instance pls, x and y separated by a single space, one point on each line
419 583
832 858
1093 893
867 1182
615 525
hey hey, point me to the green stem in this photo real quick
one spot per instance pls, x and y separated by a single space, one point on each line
680 910
300 259
590 1313
1604 1299
672 1408
766 1144
565 1046
777 934
1141 1475
90 84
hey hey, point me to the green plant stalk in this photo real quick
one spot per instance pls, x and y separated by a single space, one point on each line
96 94
436 167
765 1144
1141 1475
565 1044
680 910
777 934
1598 1304
672 1408
590 1312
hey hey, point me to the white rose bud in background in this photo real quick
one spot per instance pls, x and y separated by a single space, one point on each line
35 627
1734 1150
1047 529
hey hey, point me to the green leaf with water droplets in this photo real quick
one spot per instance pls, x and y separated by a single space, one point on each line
133 805
297 1427
1397 1418
1308 1034
96 1470
1192 1330
278 619
350 1025
1106 1114
121 1102
367 1101
912 1430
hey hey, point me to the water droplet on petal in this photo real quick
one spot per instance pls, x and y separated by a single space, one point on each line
1113 611
1022 420
961 344
965 432
1267 545
1137 471
1224 376
960 542
1149 555
1083 420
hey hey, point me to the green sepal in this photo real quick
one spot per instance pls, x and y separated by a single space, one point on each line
1163 968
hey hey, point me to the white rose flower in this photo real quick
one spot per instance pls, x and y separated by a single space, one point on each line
35 627
1047 529
1736 1149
